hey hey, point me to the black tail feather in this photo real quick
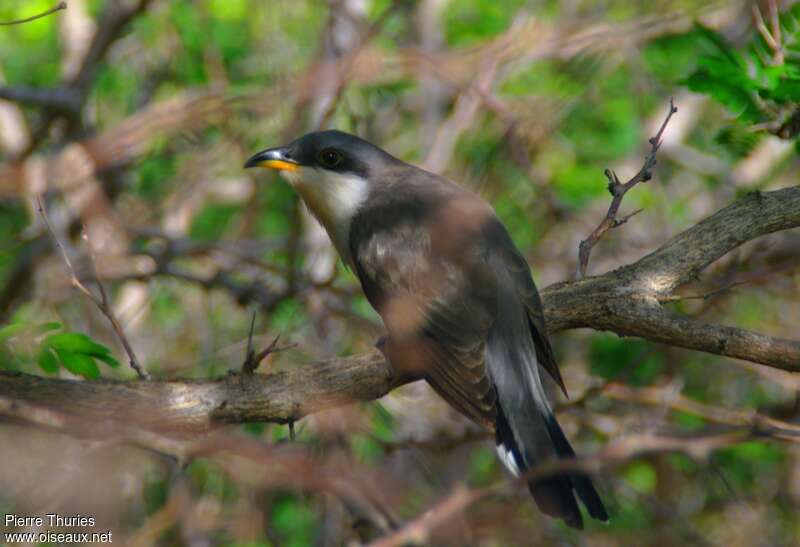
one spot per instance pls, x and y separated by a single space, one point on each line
580 481
554 495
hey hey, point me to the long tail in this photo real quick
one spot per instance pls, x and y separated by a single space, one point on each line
554 495
527 431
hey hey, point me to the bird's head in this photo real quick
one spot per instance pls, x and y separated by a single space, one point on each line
326 152
333 172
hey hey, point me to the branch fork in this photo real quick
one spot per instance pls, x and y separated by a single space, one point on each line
618 189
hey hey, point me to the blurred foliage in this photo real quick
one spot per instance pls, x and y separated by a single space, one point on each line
759 85
576 114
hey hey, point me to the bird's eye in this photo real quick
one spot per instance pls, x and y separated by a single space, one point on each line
330 157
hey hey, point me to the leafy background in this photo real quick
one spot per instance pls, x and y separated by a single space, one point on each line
524 102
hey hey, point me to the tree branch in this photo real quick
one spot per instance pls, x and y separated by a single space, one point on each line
683 257
627 301
191 406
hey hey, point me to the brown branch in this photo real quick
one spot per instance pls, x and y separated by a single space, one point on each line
628 301
253 360
58 7
67 99
682 258
618 191
191 406
644 317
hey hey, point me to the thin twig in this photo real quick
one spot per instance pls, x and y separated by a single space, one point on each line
249 364
773 38
254 359
102 302
618 191
58 7
105 307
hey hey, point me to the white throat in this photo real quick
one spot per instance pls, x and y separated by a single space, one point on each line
333 198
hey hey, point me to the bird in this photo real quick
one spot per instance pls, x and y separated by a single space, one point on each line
456 296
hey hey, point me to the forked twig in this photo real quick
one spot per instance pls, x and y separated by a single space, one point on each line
252 360
102 302
618 190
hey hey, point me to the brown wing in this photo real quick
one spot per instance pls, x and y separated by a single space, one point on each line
438 306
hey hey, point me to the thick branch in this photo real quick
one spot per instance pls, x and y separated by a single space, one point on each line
627 301
191 406
647 319
683 257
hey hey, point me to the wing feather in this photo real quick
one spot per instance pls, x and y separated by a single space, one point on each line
430 301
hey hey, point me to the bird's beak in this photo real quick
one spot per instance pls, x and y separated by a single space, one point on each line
274 158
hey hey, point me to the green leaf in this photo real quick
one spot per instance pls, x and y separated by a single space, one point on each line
721 45
738 139
47 361
9 331
47 327
78 363
76 342
786 91
736 98
107 359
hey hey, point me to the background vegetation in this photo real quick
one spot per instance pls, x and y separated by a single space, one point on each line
140 149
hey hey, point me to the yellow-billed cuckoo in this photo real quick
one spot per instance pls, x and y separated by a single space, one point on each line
454 292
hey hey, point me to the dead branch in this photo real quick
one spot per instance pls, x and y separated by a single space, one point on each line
618 191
